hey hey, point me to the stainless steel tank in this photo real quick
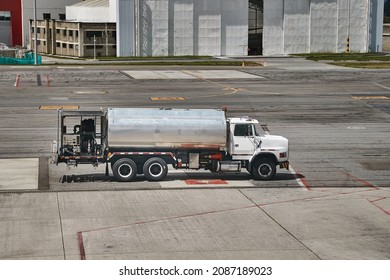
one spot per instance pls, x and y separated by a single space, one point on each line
166 128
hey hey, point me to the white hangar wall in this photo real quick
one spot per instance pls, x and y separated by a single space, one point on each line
304 26
90 11
183 27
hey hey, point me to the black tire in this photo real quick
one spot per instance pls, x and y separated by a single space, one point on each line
155 169
124 170
264 169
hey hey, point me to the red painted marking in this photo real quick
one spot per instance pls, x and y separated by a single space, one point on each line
304 181
205 182
364 182
81 245
379 207
195 182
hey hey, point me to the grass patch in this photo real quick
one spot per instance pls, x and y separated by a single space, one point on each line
346 56
367 65
135 58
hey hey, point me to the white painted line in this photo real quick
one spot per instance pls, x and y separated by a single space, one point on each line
222 74
204 183
190 74
298 180
159 75
292 171
384 87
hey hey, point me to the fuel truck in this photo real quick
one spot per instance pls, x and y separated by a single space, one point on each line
146 140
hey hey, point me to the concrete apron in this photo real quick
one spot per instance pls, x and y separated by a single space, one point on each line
24 174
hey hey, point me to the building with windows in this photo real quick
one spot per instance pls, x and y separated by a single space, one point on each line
81 39
226 27
15 18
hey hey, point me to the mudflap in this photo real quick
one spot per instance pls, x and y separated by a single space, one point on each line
284 165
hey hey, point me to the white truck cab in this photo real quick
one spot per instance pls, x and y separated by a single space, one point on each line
260 153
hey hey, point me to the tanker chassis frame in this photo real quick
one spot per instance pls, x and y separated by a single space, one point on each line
82 138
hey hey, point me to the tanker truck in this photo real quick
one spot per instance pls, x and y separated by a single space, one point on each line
146 140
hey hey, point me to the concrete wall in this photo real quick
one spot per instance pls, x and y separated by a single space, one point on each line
304 26
89 13
183 27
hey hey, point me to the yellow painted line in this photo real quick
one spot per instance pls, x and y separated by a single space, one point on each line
369 97
167 98
57 107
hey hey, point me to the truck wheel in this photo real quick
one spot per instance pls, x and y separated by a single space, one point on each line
155 169
124 170
264 169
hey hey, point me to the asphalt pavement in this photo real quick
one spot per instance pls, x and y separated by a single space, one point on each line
333 204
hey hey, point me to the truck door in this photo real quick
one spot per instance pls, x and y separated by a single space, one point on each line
243 140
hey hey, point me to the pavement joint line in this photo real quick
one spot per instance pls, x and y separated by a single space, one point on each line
280 225
170 218
80 236
379 207
313 198
61 226
255 205
381 86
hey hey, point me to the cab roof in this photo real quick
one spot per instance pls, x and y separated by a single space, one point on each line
242 120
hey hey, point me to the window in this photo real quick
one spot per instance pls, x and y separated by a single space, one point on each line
77 33
91 47
62 16
243 130
5 16
70 46
64 45
64 32
58 31
70 33
38 30
58 45
46 16
91 34
113 34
